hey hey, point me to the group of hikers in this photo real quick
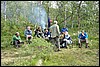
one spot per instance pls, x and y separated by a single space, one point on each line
51 34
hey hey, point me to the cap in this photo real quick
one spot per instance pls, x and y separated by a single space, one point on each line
55 22
17 32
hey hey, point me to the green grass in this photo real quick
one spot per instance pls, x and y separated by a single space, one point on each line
29 54
73 57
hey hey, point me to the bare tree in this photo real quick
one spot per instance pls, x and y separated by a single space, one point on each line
80 2
5 10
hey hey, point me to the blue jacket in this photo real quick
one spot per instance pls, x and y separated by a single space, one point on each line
27 32
64 29
46 34
83 37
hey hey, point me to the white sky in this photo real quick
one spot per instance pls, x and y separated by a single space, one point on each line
53 3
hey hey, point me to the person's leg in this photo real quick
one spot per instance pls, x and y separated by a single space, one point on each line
38 35
79 42
35 33
61 43
42 34
69 42
21 42
26 37
58 43
52 41
30 38
66 42
86 43
16 43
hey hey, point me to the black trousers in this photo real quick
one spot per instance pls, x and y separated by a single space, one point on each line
17 42
38 34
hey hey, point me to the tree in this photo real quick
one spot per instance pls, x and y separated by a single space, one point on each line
5 6
78 11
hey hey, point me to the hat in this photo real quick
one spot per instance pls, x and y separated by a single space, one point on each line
17 32
55 22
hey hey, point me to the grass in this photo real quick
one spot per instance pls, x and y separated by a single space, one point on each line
30 54
73 57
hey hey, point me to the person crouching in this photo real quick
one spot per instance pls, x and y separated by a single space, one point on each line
17 40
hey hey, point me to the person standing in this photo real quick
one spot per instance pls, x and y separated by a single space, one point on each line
55 32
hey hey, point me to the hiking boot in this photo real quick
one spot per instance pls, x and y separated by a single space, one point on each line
86 45
80 45
59 49
17 46
66 47
22 42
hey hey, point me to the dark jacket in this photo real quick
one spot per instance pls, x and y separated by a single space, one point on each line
46 34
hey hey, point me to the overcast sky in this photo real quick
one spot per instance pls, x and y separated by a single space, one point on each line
52 2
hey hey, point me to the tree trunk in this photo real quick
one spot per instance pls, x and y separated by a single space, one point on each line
48 13
79 15
5 6
48 8
72 17
65 18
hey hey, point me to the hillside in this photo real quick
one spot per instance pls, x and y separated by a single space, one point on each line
41 53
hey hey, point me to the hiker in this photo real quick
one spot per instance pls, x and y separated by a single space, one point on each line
49 22
67 39
54 29
83 37
47 34
64 29
28 34
38 32
17 40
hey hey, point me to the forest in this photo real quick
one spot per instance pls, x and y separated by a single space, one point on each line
74 15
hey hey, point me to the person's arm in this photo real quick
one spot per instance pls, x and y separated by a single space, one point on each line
25 32
50 29
48 34
70 38
86 35
31 32
16 38
63 36
19 38
58 30
44 33
79 36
